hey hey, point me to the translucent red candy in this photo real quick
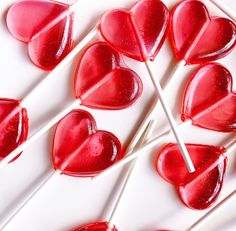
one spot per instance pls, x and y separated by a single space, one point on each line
196 37
96 226
138 33
47 28
79 149
13 126
209 100
101 82
200 189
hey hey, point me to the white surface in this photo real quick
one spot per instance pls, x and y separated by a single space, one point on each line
150 203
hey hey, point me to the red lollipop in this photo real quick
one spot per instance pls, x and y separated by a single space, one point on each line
190 36
46 26
100 82
209 99
209 102
200 189
79 150
139 32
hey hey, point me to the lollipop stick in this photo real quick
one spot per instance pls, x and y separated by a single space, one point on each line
152 108
222 6
142 127
170 118
128 175
25 200
231 146
73 5
39 133
213 212
139 151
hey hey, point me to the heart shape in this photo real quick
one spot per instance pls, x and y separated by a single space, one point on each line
13 126
47 28
100 81
191 29
96 226
209 100
79 149
200 189
139 32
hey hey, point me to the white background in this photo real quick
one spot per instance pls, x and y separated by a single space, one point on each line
149 202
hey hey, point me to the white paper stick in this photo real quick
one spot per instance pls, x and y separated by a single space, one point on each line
152 109
231 146
39 133
223 7
74 5
170 117
139 151
202 222
28 197
120 193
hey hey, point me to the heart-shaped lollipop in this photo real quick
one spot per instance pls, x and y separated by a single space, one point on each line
79 149
96 226
139 32
101 82
14 128
46 26
209 100
197 37
200 189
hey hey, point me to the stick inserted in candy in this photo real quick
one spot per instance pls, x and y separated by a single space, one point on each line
79 150
100 82
200 189
222 6
206 104
120 192
213 212
46 26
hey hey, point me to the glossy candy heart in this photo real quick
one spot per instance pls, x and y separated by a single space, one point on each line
138 33
209 100
196 37
79 149
200 189
96 226
101 82
13 126
47 28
